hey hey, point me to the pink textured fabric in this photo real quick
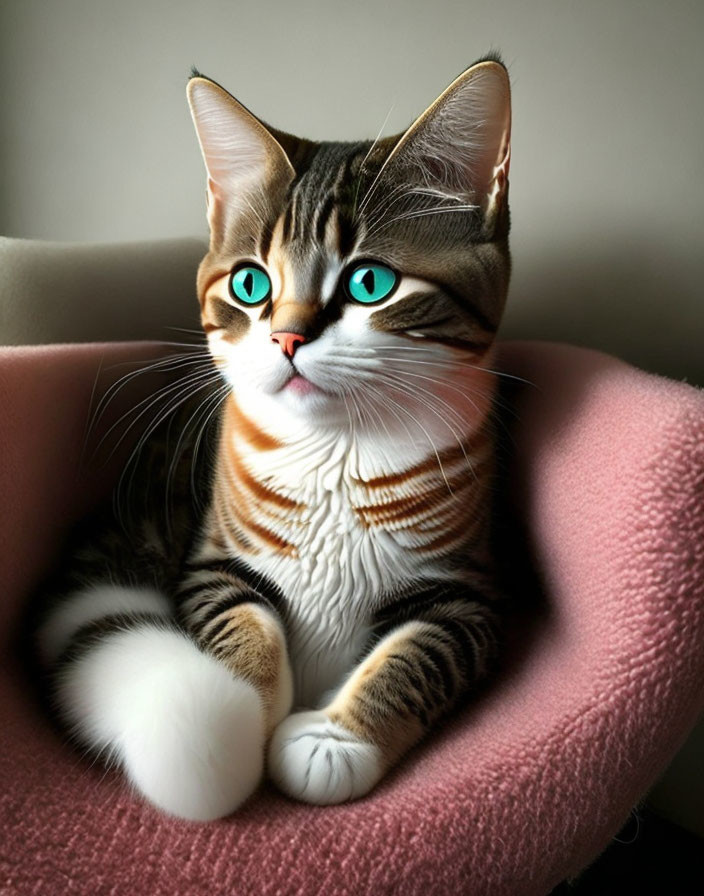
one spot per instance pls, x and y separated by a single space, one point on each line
522 789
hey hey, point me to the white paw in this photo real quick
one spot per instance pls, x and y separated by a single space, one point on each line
317 761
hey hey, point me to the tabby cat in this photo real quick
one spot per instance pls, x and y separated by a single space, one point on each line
324 592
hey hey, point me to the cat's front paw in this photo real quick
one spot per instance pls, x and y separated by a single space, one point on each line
318 761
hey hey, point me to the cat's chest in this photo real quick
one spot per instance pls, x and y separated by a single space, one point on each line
333 580
336 539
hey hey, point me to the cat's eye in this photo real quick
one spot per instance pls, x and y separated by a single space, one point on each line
250 285
371 282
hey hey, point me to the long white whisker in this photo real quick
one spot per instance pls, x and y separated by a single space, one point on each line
446 384
162 365
198 413
189 380
369 152
402 387
423 430
173 403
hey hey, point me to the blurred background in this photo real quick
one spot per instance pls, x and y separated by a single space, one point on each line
607 191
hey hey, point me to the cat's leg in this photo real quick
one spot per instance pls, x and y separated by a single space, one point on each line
436 650
131 686
241 626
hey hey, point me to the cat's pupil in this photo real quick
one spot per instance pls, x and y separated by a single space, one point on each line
368 281
248 283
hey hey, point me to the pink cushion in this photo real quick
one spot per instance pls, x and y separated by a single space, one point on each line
520 791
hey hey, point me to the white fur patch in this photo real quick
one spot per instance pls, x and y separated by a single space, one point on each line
89 605
189 735
317 761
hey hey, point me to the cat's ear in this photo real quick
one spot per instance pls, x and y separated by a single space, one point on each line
460 146
241 156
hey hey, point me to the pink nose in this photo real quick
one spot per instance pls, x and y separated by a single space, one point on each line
289 342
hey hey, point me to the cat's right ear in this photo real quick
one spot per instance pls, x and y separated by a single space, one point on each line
242 158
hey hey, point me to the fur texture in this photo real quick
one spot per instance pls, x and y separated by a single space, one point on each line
331 555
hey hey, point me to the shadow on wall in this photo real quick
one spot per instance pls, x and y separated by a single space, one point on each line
641 301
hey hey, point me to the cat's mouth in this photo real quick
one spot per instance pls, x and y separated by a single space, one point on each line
298 384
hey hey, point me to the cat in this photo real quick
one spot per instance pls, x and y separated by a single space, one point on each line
322 591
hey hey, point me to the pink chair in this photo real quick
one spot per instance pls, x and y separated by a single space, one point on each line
524 787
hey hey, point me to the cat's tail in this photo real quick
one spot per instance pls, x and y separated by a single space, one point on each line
133 687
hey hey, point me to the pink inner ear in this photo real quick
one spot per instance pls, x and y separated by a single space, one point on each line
461 143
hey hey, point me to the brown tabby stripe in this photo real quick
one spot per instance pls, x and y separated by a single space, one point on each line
423 312
432 463
252 646
445 515
204 287
238 503
413 675
248 431
403 509
417 604
257 489
217 542
451 538
346 234
265 238
204 602
466 345
231 531
246 578
489 326
323 217
286 224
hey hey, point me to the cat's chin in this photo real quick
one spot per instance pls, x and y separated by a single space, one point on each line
309 401
300 386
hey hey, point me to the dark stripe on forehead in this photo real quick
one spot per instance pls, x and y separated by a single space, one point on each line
346 229
287 222
299 212
265 241
343 178
314 197
346 234
323 217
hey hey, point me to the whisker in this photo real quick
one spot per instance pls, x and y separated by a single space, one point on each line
173 403
425 432
149 402
419 213
181 441
402 387
369 152
162 364
463 363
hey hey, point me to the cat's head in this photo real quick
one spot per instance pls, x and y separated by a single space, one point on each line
349 281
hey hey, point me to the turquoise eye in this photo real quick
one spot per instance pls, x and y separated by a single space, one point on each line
250 284
371 283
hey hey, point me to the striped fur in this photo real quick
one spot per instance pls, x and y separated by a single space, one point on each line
338 557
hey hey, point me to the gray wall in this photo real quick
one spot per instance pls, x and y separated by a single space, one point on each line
606 184
607 191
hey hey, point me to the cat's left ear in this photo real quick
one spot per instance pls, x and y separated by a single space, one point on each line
242 157
460 146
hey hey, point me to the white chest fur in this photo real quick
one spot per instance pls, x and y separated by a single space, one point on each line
338 523
341 567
